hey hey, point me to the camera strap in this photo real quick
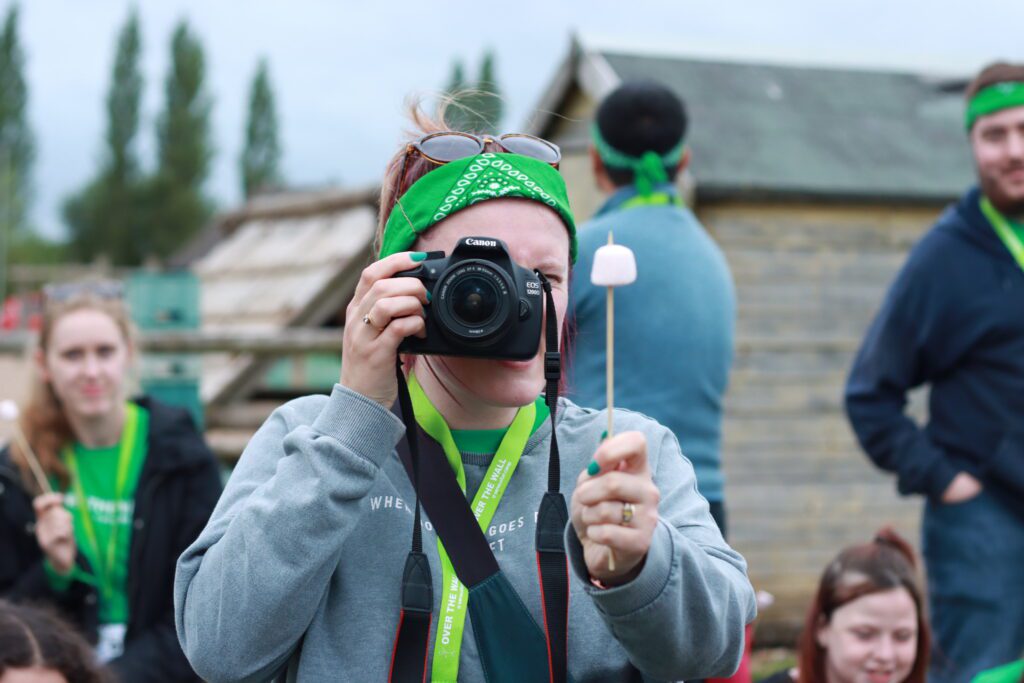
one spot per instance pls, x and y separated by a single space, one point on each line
510 643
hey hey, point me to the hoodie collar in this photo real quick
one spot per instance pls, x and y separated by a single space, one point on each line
971 224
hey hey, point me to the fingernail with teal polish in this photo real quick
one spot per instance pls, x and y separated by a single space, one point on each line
428 296
604 435
417 255
593 468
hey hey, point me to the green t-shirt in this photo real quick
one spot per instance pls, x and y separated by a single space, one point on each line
97 470
488 440
1008 673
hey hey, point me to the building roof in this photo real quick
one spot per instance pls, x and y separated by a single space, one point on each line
762 128
285 261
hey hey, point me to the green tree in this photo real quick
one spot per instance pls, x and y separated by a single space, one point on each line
457 114
17 146
475 108
105 217
489 103
261 157
176 205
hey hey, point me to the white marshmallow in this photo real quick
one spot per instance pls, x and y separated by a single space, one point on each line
9 411
614 266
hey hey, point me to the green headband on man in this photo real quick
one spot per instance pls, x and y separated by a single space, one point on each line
648 169
994 98
461 183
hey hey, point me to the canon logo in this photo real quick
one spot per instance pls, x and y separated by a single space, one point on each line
473 242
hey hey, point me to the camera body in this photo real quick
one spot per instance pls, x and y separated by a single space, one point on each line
483 304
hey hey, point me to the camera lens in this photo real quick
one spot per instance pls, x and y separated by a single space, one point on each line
474 300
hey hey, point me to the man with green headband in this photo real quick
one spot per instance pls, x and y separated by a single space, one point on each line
954 320
674 326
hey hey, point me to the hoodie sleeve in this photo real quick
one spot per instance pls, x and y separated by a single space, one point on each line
246 590
914 339
683 616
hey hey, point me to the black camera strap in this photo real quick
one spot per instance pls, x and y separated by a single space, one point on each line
471 556
553 514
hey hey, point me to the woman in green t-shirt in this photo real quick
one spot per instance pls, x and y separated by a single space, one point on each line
104 492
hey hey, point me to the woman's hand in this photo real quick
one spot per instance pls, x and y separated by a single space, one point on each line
598 503
55 531
383 312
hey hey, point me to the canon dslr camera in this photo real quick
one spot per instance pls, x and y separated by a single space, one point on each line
482 303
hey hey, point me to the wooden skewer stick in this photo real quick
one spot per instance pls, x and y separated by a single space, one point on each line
614 266
10 412
610 376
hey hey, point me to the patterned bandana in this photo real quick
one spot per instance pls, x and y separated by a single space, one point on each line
464 182
992 99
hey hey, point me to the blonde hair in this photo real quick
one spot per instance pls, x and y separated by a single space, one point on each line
43 421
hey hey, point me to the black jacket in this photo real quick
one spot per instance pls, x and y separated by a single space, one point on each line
178 488
953 319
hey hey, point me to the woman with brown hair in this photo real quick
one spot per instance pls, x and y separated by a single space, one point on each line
104 493
36 646
306 568
867 621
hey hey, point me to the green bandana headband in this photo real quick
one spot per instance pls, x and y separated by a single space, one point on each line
464 182
992 99
648 169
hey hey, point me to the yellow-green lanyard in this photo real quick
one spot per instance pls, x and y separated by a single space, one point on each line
653 199
1004 230
451 621
105 574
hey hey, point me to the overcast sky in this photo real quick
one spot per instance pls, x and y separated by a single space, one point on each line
342 70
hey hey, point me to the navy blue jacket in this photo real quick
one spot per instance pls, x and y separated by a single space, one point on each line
954 319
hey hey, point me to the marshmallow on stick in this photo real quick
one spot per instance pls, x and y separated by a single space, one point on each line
9 413
614 266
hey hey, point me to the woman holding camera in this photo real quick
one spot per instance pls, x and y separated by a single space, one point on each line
305 566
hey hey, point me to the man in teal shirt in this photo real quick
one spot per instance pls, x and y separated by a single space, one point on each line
674 325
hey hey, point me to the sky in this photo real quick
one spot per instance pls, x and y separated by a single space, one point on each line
343 71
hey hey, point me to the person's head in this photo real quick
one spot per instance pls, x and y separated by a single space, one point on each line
81 367
37 647
867 623
638 136
995 125
517 199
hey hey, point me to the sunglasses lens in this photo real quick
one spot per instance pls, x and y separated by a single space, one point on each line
529 146
449 146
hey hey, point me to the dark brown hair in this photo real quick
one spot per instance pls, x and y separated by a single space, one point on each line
885 563
43 421
35 637
997 72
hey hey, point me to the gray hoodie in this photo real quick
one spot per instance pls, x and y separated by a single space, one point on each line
299 569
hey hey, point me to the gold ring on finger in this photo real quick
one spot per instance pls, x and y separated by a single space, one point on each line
628 510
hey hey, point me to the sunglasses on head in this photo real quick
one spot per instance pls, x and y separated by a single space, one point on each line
110 290
441 148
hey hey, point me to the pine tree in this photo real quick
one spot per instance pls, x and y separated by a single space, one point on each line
176 203
17 146
477 108
457 114
489 105
105 217
261 157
